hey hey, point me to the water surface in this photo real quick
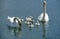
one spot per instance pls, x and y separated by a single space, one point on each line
24 8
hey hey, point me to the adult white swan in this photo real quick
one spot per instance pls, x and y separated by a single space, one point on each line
14 24
15 20
44 16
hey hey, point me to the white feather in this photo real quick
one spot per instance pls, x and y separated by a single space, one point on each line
46 18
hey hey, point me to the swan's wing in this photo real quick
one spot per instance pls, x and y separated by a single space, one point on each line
40 17
46 17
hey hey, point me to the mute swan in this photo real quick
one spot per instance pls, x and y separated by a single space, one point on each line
15 20
44 16
15 24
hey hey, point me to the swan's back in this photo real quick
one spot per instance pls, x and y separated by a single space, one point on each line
11 19
11 22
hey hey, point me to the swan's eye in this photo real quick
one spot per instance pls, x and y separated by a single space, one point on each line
44 3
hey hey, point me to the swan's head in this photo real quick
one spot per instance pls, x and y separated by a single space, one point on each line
44 2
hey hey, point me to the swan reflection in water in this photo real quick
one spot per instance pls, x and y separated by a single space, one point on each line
44 28
31 26
15 30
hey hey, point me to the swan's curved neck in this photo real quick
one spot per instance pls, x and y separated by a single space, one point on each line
44 9
17 20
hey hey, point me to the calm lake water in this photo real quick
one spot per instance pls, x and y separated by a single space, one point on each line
24 8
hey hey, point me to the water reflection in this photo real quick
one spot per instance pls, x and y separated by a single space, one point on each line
44 25
15 30
30 26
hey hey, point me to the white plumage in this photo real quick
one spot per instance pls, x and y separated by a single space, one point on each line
46 17
15 23
29 21
11 19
